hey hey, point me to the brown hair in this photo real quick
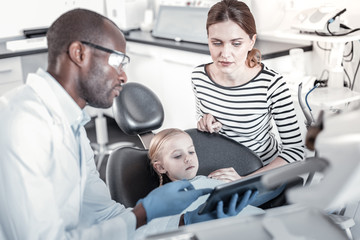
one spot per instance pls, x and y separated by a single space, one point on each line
239 13
156 147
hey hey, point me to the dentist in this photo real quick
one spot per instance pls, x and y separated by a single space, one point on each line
49 185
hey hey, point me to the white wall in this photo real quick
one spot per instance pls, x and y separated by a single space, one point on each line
17 15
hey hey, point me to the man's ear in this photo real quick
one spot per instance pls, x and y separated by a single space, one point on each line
159 168
76 53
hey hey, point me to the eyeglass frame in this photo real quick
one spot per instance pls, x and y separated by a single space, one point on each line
123 62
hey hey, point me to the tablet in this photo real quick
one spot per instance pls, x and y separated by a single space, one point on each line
225 191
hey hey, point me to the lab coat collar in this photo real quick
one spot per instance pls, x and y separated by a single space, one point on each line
61 107
68 107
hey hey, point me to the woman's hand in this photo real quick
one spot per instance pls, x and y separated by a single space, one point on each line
208 124
225 174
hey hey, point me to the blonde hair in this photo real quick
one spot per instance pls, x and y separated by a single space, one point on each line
156 147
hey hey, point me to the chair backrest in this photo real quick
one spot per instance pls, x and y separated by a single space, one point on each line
216 151
128 175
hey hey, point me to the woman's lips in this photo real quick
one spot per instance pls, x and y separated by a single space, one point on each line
225 64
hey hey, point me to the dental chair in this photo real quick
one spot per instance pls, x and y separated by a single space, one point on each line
138 111
130 177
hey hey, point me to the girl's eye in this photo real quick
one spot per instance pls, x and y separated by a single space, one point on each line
177 156
191 152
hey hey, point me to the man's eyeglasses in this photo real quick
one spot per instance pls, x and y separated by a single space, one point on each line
117 60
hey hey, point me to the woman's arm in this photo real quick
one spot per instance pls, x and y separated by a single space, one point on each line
229 174
277 162
283 112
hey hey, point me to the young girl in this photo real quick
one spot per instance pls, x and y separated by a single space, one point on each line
173 157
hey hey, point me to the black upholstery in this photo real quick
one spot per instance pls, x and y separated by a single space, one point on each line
216 151
128 175
137 109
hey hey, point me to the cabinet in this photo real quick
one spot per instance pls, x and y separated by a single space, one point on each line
167 72
10 74
31 63
14 70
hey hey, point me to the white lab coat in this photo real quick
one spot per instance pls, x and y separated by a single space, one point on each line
45 192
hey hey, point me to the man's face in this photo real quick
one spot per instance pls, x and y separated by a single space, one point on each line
102 82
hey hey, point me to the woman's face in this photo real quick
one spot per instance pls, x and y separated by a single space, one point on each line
229 46
178 158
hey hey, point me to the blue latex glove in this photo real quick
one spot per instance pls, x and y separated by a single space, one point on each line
171 199
234 209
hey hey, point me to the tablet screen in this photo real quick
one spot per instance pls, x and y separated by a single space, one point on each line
225 191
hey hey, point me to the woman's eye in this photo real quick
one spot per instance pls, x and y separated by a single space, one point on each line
236 44
216 43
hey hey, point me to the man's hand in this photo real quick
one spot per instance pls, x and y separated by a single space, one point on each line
233 209
170 199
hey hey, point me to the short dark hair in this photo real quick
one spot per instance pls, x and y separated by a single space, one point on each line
74 25
239 13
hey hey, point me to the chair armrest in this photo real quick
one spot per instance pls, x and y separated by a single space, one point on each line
275 177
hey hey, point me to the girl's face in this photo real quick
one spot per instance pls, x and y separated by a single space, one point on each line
229 46
178 159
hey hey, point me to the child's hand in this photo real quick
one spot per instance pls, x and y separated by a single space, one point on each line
225 174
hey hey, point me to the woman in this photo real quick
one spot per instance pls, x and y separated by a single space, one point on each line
239 96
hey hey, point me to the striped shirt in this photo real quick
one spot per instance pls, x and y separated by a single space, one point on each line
246 113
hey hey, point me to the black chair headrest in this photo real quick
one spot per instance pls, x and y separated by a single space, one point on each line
137 109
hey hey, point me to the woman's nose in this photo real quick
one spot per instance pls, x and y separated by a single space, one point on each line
225 53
